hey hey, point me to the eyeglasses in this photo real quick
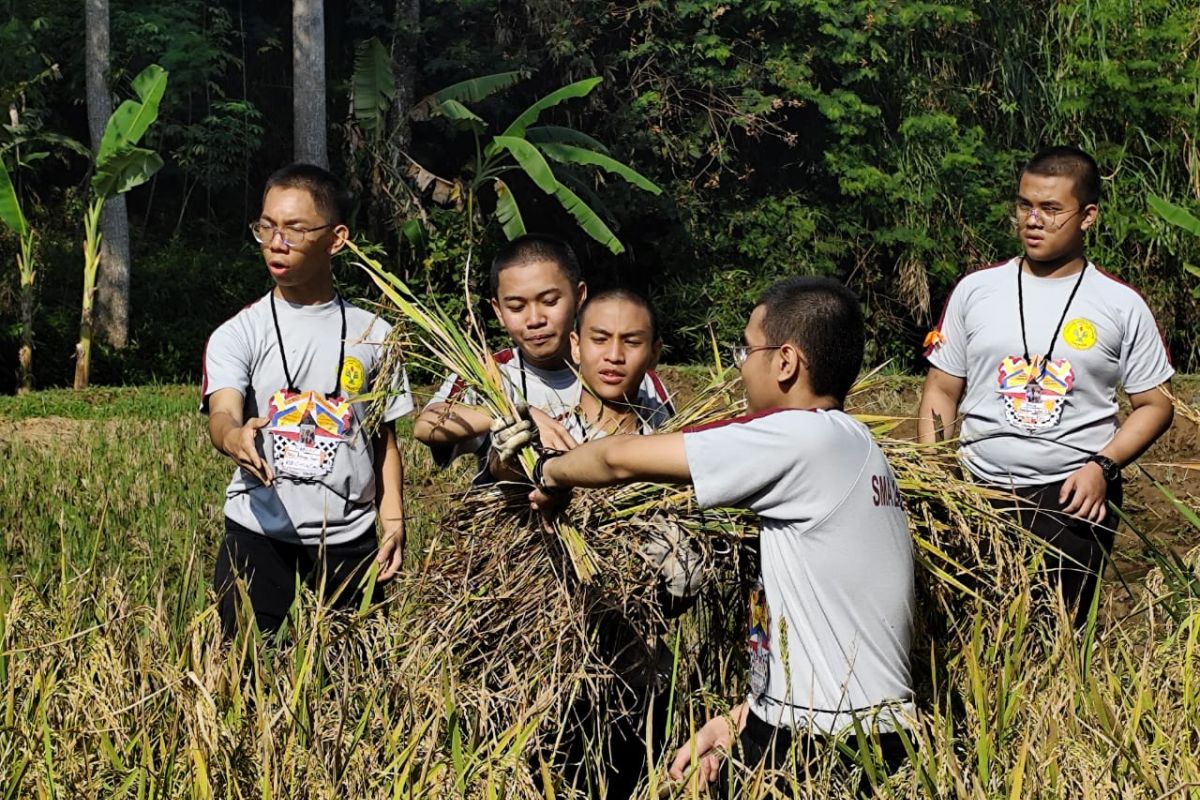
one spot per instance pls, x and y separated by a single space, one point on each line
740 352
1051 220
293 235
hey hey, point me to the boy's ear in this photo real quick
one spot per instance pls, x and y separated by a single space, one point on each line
580 295
340 235
574 346
496 310
1089 217
789 363
655 348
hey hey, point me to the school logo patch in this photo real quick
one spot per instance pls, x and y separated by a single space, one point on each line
1080 334
1034 394
353 375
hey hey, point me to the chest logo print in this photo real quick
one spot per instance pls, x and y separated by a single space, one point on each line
353 375
1079 334
1034 394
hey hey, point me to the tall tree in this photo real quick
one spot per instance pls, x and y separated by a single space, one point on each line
308 82
112 311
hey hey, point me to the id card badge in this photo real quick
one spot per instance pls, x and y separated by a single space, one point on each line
306 429
758 641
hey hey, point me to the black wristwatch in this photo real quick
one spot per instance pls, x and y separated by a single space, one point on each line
1112 471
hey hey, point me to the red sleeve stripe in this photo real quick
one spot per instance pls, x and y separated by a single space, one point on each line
659 389
503 356
721 423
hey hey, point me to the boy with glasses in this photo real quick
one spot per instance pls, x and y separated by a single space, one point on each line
1029 354
280 381
828 639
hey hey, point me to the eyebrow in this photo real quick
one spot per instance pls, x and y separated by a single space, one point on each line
289 221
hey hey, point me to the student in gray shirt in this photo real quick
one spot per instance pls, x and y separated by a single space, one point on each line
1029 354
280 382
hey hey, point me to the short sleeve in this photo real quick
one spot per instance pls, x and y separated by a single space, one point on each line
1145 362
400 401
227 359
946 345
734 462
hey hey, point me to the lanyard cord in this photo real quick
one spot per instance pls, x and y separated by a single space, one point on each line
337 380
524 381
1061 320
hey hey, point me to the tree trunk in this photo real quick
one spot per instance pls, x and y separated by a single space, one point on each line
404 48
112 310
308 82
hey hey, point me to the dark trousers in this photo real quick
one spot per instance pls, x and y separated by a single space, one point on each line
1081 549
764 744
269 567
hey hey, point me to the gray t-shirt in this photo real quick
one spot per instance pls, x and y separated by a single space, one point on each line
333 492
1025 426
831 620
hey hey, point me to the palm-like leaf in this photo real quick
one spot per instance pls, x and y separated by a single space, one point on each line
469 91
132 119
508 212
588 220
123 170
374 85
570 154
1176 215
10 205
542 134
530 161
530 115
461 116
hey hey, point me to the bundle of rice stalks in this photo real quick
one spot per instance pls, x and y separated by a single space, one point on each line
539 615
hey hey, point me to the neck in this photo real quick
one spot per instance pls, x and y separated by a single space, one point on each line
611 417
552 363
1055 268
308 295
803 397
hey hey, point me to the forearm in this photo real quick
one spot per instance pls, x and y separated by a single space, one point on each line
444 423
389 478
620 459
220 424
598 463
1140 429
936 418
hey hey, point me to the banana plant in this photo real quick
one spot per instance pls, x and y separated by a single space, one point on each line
120 166
12 216
1183 219
527 147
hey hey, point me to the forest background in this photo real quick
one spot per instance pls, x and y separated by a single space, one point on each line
877 141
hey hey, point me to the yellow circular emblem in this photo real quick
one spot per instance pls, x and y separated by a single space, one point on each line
1080 333
353 375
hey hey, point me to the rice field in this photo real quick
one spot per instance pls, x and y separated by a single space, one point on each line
114 682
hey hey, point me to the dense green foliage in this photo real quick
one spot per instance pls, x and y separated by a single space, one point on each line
875 140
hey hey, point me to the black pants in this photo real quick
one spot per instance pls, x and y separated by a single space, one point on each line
1081 548
764 744
269 568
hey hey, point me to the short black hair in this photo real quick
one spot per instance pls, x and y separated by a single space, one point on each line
1071 162
536 247
328 193
623 293
822 318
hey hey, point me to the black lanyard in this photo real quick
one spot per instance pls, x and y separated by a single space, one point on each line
291 384
1057 328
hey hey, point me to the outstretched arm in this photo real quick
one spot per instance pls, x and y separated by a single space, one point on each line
620 459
